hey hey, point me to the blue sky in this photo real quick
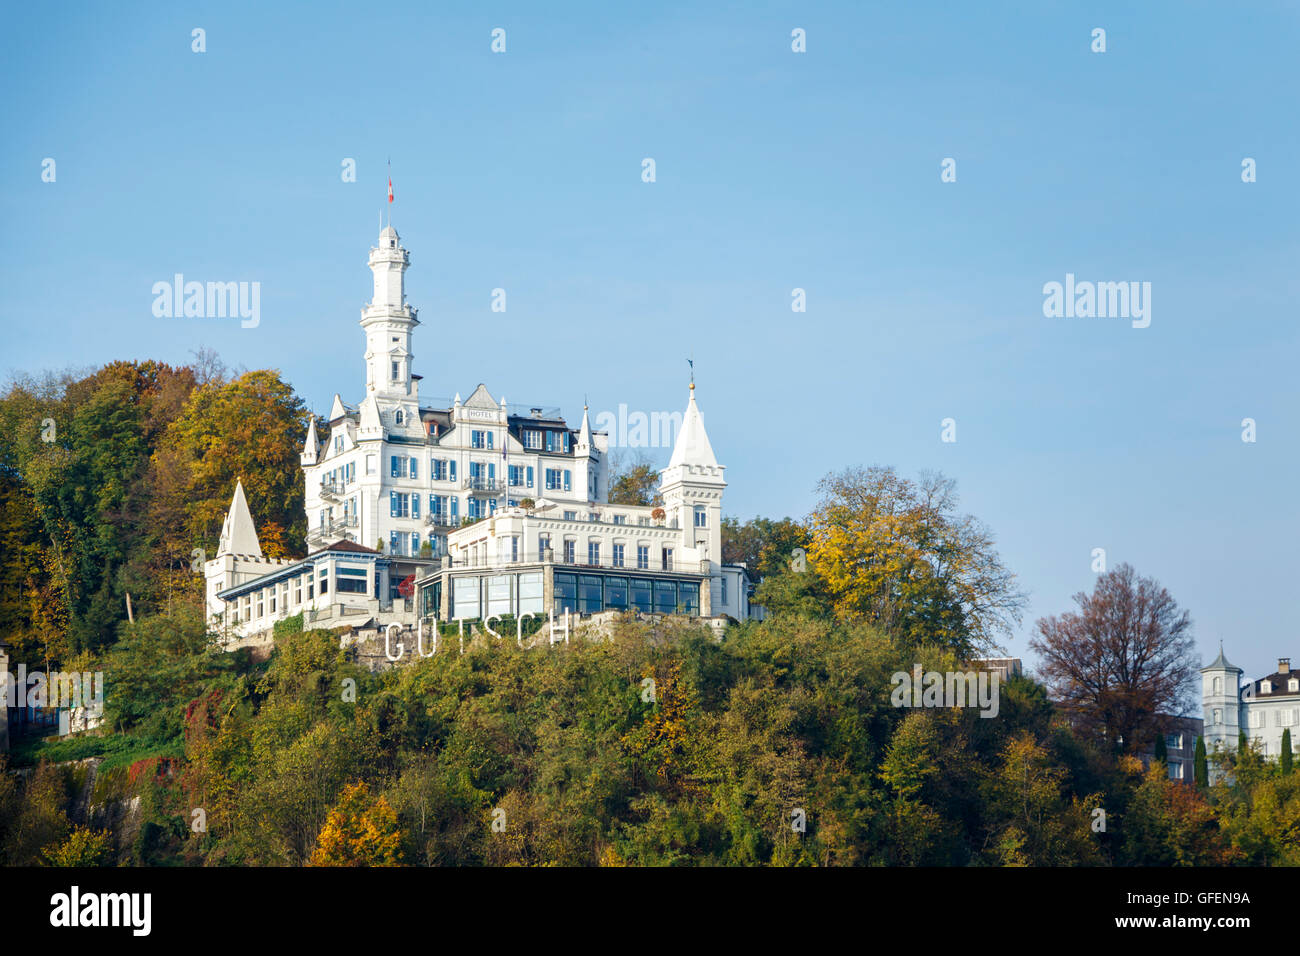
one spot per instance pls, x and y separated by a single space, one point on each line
775 170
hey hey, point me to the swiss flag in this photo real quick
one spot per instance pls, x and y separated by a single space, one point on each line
390 188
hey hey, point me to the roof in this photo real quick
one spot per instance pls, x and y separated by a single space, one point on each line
350 546
692 447
1221 663
238 536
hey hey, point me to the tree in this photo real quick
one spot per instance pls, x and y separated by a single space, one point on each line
360 831
1200 769
633 481
897 553
1121 660
250 428
764 546
1284 762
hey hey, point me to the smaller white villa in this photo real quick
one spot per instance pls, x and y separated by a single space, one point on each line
1264 709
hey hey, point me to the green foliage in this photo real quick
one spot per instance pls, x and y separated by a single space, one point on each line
1200 769
1284 761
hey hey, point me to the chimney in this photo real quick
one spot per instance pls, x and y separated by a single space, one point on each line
1284 665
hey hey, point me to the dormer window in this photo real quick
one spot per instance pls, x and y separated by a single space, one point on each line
1266 687
1293 685
399 417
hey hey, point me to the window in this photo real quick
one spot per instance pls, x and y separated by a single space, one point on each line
1266 687
620 519
517 475
261 597
616 593
723 581
569 547
532 439
353 580
1174 741
665 597
394 376
399 505
668 559
618 555
590 598
438 469
399 466
1293 685
643 557
273 590
566 593
641 594
1218 686
1175 770
338 444
372 463
480 439
701 516
1218 716
643 521
543 542
592 516
297 590
311 585
398 417
554 479
593 552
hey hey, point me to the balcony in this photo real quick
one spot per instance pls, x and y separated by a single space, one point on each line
334 530
477 485
330 491
440 520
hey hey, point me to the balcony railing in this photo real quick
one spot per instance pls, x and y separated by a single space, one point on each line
655 566
494 485
442 520
333 529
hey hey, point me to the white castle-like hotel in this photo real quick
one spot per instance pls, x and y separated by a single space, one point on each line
471 511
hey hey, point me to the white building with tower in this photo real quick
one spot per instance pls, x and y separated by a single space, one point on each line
1263 709
463 509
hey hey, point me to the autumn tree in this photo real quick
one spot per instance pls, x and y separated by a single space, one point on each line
633 480
250 428
897 553
360 831
1122 660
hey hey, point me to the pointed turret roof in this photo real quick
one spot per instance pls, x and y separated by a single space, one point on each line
238 536
584 430
693 446
1221 663
311 447
338 409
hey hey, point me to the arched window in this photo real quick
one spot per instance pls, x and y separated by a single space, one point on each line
1218 685
399 416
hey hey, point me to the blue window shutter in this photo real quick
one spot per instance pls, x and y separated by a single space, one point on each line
492 470
415 506
489 437
530 476
392 464
415 468
550 441
567 479
392 504
453 469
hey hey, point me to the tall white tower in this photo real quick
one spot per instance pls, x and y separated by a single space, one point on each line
388 322
692 486
1222 699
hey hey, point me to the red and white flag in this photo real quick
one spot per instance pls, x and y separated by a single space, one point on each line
390 188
